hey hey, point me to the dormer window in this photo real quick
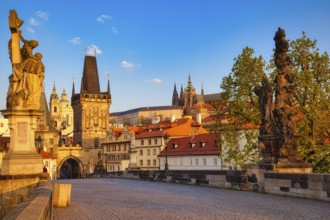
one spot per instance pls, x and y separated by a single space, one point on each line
202 144
174 145
192 145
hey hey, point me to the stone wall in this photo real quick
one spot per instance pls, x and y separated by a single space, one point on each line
232 179
25 195
14 191
311 186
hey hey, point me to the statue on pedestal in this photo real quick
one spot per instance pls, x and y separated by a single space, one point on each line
277 139
23 103
28 71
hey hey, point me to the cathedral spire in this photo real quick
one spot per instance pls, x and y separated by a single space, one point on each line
108 90
189 82
181 92
202 90
73 90
175 97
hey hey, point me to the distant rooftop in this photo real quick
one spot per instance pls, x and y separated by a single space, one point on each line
153 108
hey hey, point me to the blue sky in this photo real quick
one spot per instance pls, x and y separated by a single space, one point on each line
146 46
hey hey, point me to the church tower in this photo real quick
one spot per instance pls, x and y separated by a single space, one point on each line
66 113
55 108
175 97
190 97
90 107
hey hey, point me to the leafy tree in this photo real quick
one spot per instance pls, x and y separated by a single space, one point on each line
312 73
143 121
239 145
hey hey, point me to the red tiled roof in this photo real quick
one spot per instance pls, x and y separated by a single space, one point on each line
46 155
149 134
203 144
185 127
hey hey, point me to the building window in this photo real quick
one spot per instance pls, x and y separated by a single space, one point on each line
148 152
154 162
55 109
149 141
204 162
108 148
148 162
124 147
154 152
142 142
215 162
141 162
196 160
155 141
1 125
125 137
141 152
119 147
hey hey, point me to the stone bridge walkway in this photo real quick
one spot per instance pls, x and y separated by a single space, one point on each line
110 198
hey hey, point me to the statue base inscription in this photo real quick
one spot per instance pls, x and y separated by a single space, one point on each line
22 157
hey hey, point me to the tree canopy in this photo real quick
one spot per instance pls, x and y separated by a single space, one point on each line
312 73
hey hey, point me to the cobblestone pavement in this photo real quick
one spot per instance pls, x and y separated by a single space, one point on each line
110 198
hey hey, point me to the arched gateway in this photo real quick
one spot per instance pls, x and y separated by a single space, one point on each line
70 168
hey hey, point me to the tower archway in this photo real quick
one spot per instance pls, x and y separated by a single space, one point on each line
70 168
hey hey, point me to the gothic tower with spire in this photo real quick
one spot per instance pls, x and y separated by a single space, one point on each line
91 107
175 97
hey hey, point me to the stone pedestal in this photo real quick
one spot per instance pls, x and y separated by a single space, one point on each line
22 157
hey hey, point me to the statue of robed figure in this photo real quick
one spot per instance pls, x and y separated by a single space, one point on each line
28 71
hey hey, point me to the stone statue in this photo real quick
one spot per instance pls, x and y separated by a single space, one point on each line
265 98
277 141
25 82
285 101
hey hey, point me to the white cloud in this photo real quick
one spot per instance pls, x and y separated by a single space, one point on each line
33 22
42 15
75 40
93 50
114 30
127 65
102 18
156 81
30 30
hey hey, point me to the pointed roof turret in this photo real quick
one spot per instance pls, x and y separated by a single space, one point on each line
202 90
73 90
64 97
175 97
189 82
181 92
108 90
90 80
54 94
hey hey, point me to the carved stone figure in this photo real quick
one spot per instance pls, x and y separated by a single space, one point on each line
265 98
286 103
25 82
277 140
